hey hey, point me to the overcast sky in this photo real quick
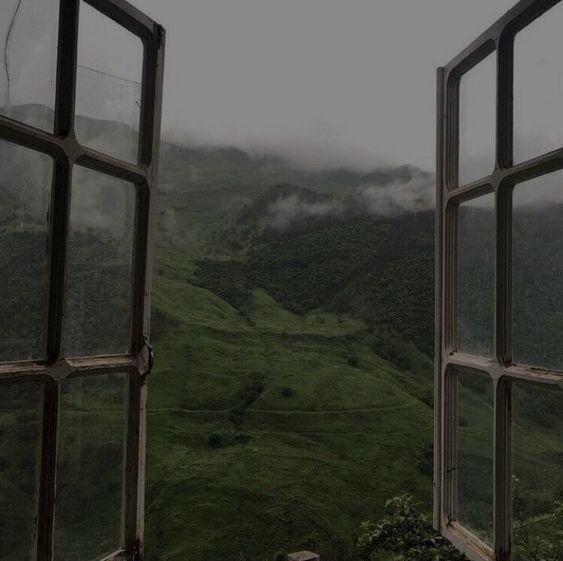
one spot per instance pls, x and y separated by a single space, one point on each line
325 82
350 80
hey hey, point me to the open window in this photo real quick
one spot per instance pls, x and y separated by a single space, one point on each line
499 355
81 94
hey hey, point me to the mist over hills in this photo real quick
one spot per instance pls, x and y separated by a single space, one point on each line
292 321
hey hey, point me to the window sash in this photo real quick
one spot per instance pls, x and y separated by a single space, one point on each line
66 152
498 39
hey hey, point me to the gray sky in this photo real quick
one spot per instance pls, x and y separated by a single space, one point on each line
332 81
325 82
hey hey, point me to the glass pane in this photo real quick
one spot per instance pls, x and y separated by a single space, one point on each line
20 408
476 275
98 289
108 89
538 272
475 423
25 187
28 36
477 114
90 471
537 467
538 86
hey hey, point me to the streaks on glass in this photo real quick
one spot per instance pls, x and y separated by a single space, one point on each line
474 465
20 410
537 472
537 315
100 250
477 110
476 276
108 89
88 521
538 86
25 192
28 66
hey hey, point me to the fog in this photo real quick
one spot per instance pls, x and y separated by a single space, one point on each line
324 83
410 191
320 79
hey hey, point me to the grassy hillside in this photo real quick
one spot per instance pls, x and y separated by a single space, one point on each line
282 411
273 431
292 393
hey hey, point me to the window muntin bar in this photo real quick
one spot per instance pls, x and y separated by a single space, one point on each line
66 152
502 372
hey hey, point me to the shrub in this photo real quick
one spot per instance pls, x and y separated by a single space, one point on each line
463 422
406 533
287 392
236 415
215 440
242 438
280 556
425 463
250 393
428 398
354 361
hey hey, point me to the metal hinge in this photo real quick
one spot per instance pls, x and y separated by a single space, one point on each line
136 553
147 359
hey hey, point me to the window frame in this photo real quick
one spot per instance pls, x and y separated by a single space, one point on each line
66 152
499 39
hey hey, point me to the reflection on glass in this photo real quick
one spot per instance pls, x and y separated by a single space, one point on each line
108 89
98 287
28 37
20 407
538 86
537 468
538 272
475 453
477 103
90 471
25 187
476 274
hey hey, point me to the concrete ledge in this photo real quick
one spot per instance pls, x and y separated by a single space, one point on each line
304 556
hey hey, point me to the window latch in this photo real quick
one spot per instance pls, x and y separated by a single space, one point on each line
147 359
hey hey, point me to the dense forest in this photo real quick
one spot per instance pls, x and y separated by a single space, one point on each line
292 395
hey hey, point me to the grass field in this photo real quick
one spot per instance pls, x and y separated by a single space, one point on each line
316 430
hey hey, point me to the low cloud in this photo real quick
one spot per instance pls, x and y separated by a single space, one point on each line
416 195
394 197
292 209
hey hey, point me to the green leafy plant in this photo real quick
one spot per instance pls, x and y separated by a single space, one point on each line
536 537
404 534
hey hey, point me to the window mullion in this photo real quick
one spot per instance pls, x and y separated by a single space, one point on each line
60 203
438 271
502 403
149 145
47 472
502 499
58 229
